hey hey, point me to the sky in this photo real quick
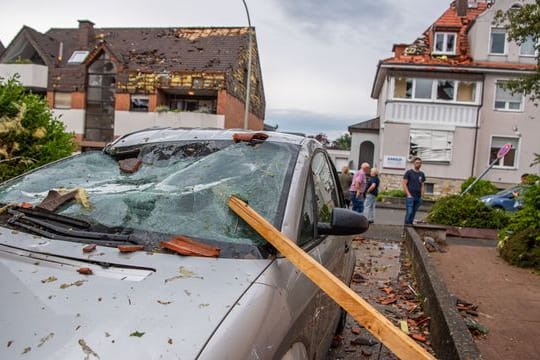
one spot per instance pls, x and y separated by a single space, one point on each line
318 57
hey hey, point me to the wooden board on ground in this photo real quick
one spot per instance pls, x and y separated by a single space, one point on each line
399 343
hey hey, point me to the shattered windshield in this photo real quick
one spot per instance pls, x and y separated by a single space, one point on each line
168 189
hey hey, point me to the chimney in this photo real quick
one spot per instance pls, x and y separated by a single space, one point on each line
461 7
86 35
399 49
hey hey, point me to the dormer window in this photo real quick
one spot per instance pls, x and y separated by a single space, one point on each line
445 43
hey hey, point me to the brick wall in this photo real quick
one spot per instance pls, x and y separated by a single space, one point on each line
122 102
233 109
78 100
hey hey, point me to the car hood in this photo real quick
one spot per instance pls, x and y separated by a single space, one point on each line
142 306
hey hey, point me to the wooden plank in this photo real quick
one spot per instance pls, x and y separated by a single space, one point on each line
400 344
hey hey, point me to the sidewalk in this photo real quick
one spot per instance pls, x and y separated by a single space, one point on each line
508 297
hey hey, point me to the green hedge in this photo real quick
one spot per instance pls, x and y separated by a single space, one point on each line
466 211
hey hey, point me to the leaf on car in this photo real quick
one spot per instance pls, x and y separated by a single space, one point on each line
164 302
49 279
137 334
76 283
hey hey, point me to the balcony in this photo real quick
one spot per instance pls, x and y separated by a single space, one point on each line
128 121
31 76
436 114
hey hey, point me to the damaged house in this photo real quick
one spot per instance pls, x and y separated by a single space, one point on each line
441 98
106 82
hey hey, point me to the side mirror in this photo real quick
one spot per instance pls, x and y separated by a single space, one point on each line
344 222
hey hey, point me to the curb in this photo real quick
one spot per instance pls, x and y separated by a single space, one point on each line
450 337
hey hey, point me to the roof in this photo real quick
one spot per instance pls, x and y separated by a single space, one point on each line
161 49
1 47
418 55
372 125
420 50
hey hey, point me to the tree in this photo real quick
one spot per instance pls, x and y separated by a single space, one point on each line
522 24
343 142
30 136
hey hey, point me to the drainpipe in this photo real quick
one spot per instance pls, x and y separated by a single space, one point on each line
477 123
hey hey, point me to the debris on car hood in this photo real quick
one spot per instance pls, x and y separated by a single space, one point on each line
97 314
186 246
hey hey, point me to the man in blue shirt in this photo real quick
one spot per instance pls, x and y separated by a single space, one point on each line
413 185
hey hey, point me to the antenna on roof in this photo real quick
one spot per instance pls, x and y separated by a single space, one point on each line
61 51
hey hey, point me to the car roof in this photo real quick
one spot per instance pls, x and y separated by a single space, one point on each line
163 135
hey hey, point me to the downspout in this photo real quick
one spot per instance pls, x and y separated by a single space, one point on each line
477 123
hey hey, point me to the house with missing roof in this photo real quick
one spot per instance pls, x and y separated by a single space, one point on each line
441 99
106 82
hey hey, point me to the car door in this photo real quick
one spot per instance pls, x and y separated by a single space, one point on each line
331 251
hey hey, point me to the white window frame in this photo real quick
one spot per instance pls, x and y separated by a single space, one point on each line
78 56
434 86
506 106
491 42
445 43
534 54
500 164
429 134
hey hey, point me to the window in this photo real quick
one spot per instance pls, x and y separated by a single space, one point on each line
504 100
428 188
435 90
431 145
139 103
498 42
403 88
78 57
307 223
445 90
510 159
527 47
466 91
445 43
423 88
326 195
62 100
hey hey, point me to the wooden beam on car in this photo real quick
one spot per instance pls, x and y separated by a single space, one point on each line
399 343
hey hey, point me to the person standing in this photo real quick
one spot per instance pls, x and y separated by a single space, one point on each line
345 179
372 190
358 188
413 185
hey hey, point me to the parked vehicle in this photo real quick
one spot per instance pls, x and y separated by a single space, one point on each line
509 199
63 300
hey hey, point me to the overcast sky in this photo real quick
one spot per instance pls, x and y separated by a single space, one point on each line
318 57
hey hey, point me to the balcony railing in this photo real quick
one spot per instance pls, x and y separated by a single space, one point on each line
435 114
31 75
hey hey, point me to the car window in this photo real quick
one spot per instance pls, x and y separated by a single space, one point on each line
326 194
307 223
180 188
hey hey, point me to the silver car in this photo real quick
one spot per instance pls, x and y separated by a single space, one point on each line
73 285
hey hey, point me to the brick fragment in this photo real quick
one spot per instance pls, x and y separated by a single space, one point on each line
130 248
89 248
85 271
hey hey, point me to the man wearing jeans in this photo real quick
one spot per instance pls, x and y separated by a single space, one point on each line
413 185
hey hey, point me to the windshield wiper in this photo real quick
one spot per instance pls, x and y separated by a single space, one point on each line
50 230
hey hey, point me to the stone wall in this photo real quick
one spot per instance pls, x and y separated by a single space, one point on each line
441 187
